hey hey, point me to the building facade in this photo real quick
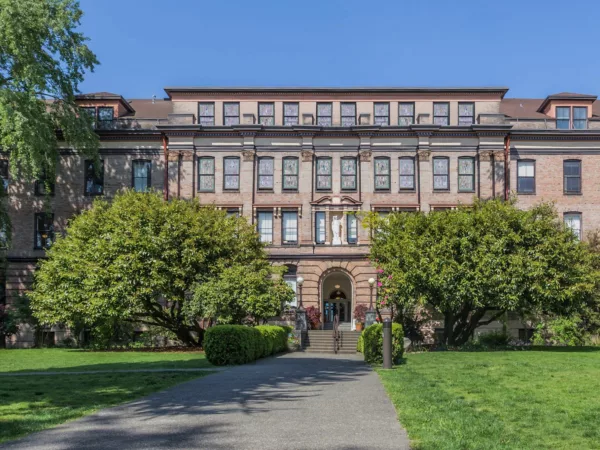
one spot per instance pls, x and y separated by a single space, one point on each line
303 163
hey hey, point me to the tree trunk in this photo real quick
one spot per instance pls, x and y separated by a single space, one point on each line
2 341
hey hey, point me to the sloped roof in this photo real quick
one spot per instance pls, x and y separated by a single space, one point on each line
529 108
146 109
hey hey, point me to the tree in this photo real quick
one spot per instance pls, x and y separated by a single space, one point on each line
8 324
240 293
473 264
138 258
42 61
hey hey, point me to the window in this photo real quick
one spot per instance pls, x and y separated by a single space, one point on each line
407 173
324 173
441 173
265 226
406 114
573 222
266 113
580 117
324 112
441 114
466 174
290 173
352 229
141 175
466 114
572 174
206 174
348 174
44 186
289 227
90 111
231 173
526 177
348 114
291 113
526 334
290 278
381 114
563 117
4 173
266 169
206 114
105 114
44 230
233 212
231 113
320 227
382 173
94 179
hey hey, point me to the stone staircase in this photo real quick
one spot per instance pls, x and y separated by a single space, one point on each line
344 326
321 341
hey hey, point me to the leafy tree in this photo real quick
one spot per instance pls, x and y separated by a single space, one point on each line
473 264
42 61
138 259
8 324
241 292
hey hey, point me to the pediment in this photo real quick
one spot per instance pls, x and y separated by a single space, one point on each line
335 200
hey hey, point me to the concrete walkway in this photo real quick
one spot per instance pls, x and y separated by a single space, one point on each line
295 401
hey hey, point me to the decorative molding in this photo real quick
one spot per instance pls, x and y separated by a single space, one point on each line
423 155
248 155
485 155
499 156
365 155
307 155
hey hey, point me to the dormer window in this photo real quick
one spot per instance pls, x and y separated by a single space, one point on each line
563 118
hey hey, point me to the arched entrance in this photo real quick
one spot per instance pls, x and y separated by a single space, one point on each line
336 297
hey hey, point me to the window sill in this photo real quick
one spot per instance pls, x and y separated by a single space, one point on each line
93 195
442 191
573 193
231 191
526 193
466 192
265 191
289 191
407 191
206 192
382 191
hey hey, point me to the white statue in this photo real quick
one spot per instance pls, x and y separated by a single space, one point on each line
336 230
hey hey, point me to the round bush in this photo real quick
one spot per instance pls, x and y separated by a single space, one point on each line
239 344
373 343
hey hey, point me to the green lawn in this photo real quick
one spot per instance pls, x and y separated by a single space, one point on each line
33 402
499 400
69 360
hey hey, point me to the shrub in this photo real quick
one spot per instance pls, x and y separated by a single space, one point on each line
373 343
560 331
313 317
494 339
360 345
240 344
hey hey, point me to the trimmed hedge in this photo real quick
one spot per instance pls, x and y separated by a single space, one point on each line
372 343
238 344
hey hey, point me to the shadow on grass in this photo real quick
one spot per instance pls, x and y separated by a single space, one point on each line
195 414
531 348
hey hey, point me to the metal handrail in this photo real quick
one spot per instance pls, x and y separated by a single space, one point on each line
336 333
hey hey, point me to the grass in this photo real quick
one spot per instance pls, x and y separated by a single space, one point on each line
79 360
34 402
499 400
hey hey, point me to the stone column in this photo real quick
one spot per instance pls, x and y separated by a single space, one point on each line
486 174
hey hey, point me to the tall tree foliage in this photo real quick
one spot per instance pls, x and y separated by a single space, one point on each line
474 264
42 62
138 259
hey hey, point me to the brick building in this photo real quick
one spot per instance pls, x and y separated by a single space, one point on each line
300 163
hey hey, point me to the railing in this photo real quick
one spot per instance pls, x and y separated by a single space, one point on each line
336 333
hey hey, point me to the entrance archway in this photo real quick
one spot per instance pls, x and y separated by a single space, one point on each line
336 297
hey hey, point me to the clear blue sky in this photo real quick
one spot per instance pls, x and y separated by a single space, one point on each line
534 47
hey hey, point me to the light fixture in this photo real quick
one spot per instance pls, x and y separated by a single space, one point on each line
300 281
371 281
337 286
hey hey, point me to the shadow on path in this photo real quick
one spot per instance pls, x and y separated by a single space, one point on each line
294 401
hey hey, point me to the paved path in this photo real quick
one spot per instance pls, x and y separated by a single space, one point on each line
87 372
295 401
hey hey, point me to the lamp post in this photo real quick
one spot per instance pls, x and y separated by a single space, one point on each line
299 283
370 314
301 322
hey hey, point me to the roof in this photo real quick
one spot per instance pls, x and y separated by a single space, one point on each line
566 96
146 108
254 89
529 108
106 96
